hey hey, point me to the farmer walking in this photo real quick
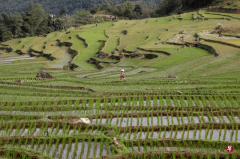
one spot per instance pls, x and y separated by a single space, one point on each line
122 75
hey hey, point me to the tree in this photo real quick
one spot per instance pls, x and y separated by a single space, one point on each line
7 36
37 9
16 24
63 11
128 13
58 24
119 10
88 6
146 12
167 6
30 23
93 11
67 21
35 16
138 10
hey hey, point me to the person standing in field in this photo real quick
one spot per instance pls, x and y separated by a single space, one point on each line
122 75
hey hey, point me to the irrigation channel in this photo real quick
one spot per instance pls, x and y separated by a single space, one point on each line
156 126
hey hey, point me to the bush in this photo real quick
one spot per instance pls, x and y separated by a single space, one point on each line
196 35
125 32
7 36
9 49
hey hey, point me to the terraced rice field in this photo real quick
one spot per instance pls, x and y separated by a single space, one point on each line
150 115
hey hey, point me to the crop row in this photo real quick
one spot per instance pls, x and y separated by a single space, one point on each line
164 118
45 131
65 147
178 101
191 146
222 134
35 90
163 154
194 143
109 109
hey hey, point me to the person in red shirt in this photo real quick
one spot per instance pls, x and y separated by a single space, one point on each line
122 75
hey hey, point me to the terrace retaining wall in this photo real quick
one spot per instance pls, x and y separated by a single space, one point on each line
157 51
221 42
210 49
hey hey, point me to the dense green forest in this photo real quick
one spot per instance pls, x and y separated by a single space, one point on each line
35 21
179 6
141 10
54 7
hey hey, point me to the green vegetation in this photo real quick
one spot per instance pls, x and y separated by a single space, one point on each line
229 4
70 6
180 98
35 22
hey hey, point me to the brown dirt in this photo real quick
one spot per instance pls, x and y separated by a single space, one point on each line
142 71
43 74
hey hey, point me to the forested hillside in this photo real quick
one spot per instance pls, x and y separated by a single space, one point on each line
37 20
54 7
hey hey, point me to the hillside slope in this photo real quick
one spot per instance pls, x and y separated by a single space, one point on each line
178 45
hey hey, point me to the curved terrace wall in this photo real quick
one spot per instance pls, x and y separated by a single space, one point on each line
221 42
210 49
71 51
48 56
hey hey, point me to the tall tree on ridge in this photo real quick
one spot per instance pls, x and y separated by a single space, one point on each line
88 6
138 10
63 11
37 16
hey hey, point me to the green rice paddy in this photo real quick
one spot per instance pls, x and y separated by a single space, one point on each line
150 115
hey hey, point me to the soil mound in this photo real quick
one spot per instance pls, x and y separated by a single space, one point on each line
43 74
183 32
219 27
142 71
103 55
101 40
171 76
121 52
114 52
